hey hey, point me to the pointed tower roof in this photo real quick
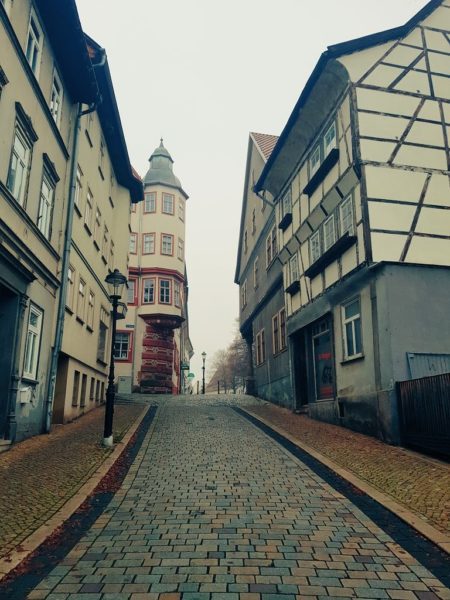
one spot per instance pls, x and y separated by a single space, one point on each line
161 170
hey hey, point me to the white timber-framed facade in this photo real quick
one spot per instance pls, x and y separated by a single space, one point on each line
364 162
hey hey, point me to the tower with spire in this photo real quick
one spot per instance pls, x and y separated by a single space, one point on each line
157 292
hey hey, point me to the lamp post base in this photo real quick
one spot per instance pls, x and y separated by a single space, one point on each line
108 442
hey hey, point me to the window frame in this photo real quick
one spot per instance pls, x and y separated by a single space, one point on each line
351 230
167 235
181 209
46 205
31 362
177 293
133 243
294 274
162 280
256 273
165 196
133 284
180 249
129 345
70 287
244 298
260 345
37 59
153 287
89 211
81 304
316 234
56 113
153 195
275 334
351 321
90 310
326 245
21 194
152 237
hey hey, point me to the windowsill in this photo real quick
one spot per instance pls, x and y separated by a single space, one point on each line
90 329
80 320
97 246
352 359
28 379
77 209
285 221
88 229
102 362
322 172
293 288
69 310
105 260
101 174
282 351
338 248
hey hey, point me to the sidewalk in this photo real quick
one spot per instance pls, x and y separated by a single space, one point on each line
416 482
39 475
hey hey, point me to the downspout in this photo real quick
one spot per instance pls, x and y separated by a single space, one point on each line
65 264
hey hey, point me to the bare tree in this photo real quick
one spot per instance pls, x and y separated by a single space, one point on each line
231 366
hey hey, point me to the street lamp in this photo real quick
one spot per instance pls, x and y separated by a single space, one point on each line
115 281
203 368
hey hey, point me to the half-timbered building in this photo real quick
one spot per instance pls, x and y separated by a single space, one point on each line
360 178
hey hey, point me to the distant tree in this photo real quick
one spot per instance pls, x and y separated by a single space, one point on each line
231 366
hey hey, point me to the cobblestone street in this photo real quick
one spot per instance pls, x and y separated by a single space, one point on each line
214 509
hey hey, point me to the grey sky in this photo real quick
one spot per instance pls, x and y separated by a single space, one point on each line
202 74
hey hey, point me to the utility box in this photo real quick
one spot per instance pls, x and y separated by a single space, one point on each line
124 385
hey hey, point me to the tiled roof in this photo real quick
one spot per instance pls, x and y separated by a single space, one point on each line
265 142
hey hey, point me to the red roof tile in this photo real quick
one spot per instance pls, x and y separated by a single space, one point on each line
266 142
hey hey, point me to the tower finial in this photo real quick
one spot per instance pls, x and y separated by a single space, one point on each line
161 144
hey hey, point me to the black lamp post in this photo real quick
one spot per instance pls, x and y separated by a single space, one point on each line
115 281
203 369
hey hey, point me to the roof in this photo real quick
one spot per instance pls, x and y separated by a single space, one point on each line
265 142
160 171
334 52
63 28
109 116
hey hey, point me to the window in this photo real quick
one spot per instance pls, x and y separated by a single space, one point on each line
150 202
101 158
131 291
271 246
78 189
3 79
314 161
283 344
275 334
286 203
167 244
260 348
70 286
34 44
97 227
56 98
346 216
92 389
256 273
105 241
122 346
81 299
90 310
351 319
176 293
76 388
180 249
181 209
314 245
244 295
322 149
329 139
168 204
88 210
148 243
111 256
293 268
32 343
19 166
45 214
133 243
83 390
253 221
102 333
329 233
165 291
148 291
245 242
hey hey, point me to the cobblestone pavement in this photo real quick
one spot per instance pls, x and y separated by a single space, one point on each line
38 475
419 483
213 509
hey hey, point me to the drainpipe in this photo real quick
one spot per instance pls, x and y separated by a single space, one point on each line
65 264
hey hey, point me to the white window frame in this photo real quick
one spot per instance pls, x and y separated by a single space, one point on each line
180 249
177 294
260 343
88 211
331 144
90 309
276 333
148 289
329 233
97 226
166 244
46 202
181 209
148 241
286 203
168 201
165 291
78 188
133 243
294 272
256 272
315 249
352 322
70 286
150 202
131 291
56 97
346 219
17 185
122 345
244 294
33 48
81 299
315 159
32 342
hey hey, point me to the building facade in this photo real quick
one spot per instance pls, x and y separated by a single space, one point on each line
260 279
48 79
360 177
152 341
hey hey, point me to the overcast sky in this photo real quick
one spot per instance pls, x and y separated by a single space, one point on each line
202 74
